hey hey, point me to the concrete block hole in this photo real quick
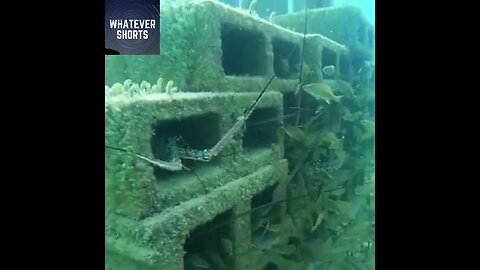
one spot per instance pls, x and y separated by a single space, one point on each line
259 213
205 242
286 59
262 129
329 57
262 217
243 51
196 132
270 266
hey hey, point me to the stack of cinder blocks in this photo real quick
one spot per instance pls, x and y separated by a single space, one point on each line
346 25
220 58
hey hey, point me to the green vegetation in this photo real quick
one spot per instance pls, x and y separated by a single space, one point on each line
329 223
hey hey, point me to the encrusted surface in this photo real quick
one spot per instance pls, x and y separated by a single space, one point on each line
198 40
150 214
159 240
133 188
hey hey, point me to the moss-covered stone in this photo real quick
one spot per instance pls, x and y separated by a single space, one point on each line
127 255
345 25
159 240
203 42
132 188
150 213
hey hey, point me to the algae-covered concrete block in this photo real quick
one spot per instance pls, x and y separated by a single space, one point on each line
166 239
345 25
147 124
205 45
220 59
150 212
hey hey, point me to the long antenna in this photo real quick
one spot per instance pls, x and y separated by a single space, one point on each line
254 104
300 77
172 166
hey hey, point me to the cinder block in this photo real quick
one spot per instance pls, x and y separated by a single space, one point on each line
145 124
158 241
345 24
220 58
209 46
150 212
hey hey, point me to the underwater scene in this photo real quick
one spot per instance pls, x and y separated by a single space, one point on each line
247 143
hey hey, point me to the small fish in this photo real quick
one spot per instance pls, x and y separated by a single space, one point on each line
329 70
321 91
215 259
318 166
196 261
341 86
295 133
227 246
365 189
369 127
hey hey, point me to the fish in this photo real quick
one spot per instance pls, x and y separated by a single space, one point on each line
196 261
342 87
329 70
321 91
227 246
369 127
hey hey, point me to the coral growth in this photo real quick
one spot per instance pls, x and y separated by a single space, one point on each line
131 89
